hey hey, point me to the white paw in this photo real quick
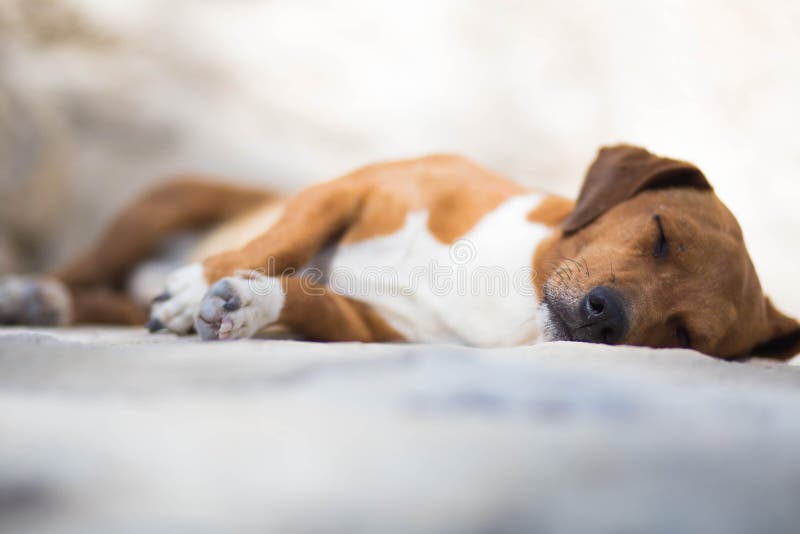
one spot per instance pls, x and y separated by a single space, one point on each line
176 308
239 307
34 301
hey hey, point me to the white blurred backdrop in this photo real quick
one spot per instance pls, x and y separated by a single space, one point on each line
99 98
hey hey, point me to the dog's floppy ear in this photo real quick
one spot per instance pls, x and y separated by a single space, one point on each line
621 172
783 339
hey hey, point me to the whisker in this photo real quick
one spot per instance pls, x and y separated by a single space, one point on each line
577 264
569 270
586 264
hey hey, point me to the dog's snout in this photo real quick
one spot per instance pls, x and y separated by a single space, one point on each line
606 320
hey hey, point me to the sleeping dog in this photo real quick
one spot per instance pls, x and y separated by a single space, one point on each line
435 249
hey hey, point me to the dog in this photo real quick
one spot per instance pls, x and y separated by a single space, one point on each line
436 250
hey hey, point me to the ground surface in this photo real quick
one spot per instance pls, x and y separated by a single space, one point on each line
114 431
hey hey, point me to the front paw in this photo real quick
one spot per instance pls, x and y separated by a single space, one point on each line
239 307
176 308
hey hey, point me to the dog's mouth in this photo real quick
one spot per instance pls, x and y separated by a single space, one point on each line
598 316
555 327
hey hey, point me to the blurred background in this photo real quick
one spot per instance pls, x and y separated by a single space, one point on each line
99 99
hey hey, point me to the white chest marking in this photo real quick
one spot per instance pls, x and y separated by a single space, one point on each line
478 291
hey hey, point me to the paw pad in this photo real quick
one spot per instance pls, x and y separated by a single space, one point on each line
214 321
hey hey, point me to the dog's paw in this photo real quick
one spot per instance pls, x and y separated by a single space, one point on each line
176 308
34 301
239 307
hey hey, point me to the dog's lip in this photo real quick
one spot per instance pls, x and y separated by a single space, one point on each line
561 325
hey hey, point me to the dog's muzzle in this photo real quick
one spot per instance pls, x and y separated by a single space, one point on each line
600 317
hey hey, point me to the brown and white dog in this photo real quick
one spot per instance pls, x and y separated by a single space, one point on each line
435 249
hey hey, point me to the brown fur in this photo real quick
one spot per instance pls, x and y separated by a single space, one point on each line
545 261
552 211
105 306
336 318
453 190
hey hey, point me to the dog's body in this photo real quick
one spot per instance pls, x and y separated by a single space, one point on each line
437 261
440 250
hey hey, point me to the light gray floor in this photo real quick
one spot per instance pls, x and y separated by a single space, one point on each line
114 431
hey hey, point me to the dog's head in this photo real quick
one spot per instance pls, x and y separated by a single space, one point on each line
650 256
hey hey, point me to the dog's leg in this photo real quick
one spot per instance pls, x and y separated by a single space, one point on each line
240 306
177 206
91 288
103 306
310 221
45 301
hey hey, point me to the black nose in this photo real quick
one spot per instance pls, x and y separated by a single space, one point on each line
603 311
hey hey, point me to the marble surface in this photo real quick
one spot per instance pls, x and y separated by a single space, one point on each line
112 430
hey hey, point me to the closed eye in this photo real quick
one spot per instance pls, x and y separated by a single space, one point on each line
661 247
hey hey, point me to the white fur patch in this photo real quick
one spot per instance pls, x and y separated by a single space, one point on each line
545 322
478 291
185 287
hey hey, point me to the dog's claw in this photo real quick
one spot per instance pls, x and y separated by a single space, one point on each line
233 303
154 325
163 297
